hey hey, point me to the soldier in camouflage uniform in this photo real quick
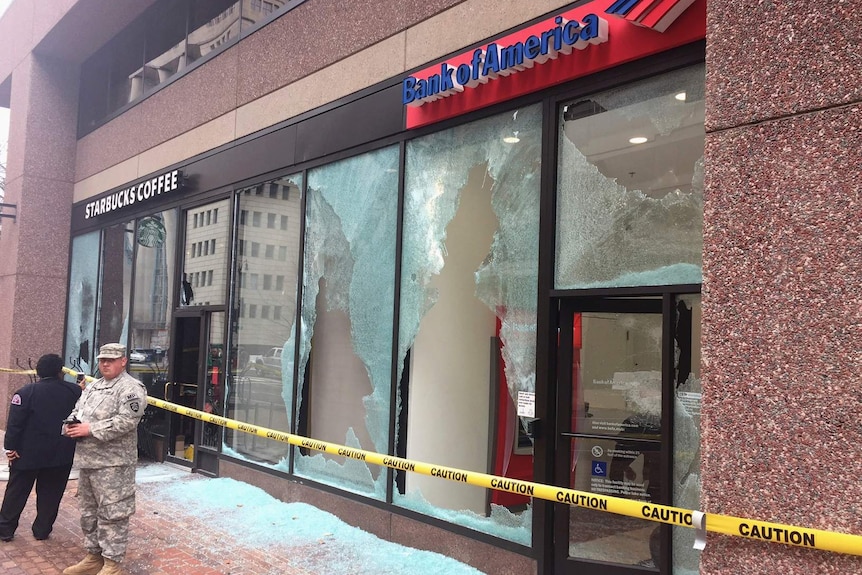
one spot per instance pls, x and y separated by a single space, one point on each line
109 411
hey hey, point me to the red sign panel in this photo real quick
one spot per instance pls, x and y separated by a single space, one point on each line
625 37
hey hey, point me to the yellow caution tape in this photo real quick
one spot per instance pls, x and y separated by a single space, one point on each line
725 524
18 371
66 370
787 534
737 526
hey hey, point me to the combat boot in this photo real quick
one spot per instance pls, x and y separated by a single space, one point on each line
89 565
110 568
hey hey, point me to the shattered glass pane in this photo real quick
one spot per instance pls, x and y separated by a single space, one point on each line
81 322
686 430
154 273
345 348
151 317
630 185
468 313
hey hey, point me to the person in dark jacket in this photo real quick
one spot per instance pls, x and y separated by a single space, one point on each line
36 450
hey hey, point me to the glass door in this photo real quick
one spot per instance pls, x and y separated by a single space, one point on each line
197 382
182 387
612 432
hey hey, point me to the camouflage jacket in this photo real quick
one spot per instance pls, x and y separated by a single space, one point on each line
113 409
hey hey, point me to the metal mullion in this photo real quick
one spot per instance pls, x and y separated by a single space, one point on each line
297 319
667 368
394 380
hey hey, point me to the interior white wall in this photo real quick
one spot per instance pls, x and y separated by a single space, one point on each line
450 367
339 380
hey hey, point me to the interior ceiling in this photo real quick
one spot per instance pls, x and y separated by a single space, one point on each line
662 164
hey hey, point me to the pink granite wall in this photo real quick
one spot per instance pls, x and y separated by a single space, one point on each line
782 334
35 247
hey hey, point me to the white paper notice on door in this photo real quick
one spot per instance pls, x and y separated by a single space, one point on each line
526 404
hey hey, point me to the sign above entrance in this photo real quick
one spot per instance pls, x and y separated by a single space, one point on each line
592 37
135 194
494 61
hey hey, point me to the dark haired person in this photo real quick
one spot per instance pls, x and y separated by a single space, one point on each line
36 450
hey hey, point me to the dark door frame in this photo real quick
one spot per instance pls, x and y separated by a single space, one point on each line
204 316
658 300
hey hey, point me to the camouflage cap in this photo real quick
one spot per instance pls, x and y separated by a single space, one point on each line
111 351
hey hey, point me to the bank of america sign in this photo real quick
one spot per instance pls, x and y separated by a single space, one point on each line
654 14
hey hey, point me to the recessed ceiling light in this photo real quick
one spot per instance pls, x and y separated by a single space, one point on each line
513 139
638 140
680 96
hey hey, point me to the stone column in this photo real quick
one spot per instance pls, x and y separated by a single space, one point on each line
34 249
782 315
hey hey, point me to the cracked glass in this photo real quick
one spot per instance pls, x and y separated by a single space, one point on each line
630 185
468 316
686 429
348 301
115 287
83 292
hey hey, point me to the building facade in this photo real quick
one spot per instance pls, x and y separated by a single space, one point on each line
606 245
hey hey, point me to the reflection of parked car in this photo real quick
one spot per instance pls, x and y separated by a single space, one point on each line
137 357
154 355
266 365
273 358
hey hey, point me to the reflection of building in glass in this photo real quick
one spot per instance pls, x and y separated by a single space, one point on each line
217 31
154 267
204 270
267 256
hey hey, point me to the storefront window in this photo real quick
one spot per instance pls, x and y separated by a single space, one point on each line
347 313
204 280
149 353
630 185
83 293
264 347
112 324
468 316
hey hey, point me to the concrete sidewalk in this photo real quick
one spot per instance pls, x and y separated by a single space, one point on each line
188 524
163 541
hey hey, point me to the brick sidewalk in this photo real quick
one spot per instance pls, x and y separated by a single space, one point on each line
162 542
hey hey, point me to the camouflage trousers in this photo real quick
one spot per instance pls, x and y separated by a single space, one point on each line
107 500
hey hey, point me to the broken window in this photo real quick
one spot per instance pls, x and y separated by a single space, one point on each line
83 285
345 351
630 185
112 312
467 332
686 428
